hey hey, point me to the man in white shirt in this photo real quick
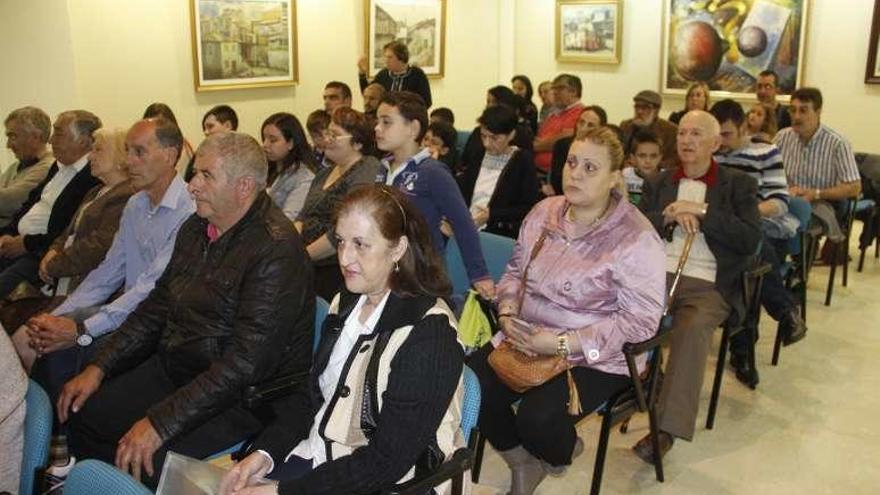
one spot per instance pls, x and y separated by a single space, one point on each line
51 205
27 135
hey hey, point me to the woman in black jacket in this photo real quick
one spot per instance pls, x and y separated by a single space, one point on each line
385 379
500 184
398 74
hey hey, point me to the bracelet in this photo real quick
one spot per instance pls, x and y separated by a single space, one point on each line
562 346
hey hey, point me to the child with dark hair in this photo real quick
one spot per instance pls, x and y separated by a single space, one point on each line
443 114
441 139
646 156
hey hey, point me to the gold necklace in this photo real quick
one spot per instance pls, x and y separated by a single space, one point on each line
596 220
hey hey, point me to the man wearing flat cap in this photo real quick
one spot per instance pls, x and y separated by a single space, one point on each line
646 107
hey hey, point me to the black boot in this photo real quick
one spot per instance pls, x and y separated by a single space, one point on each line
792 326
747 375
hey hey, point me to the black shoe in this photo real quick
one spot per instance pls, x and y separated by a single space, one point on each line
747 375
792 326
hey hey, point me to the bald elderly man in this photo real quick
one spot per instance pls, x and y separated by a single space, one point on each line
720 206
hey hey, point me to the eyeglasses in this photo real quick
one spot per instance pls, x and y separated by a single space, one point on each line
330 137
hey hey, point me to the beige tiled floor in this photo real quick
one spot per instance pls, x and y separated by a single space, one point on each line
809 428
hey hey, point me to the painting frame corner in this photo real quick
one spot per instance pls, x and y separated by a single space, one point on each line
427 48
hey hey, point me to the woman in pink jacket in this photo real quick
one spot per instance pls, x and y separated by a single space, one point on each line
595 280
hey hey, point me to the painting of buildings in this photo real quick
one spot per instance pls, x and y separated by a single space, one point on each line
243 42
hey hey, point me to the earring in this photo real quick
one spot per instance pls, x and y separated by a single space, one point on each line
396 267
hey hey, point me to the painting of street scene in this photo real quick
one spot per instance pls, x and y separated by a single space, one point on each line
243 43
419 23
588 31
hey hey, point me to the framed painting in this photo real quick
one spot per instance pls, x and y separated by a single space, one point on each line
589 31
727 43
421 24
872 71
243 43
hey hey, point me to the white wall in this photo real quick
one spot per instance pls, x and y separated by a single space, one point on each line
836 51
114 57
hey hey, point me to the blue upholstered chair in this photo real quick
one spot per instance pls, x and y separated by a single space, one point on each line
37 436
497 251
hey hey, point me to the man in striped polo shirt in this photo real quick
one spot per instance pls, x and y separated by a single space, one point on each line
819 162
763 162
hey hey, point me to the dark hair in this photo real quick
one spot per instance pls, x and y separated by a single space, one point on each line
728 110
223 114
400 50
360 128
159 110
599 111
505 96
293 132
809 95
499 119
411 106
445 132
346 91
168 134
570 80
318 121
421 270
527 83
643 136
444 114
770 73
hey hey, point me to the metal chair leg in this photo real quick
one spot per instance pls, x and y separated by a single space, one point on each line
478 459
716 384
830 290
599 466
777 346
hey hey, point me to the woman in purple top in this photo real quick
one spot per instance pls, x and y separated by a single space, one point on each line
596 281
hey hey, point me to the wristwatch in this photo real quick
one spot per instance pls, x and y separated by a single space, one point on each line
83 339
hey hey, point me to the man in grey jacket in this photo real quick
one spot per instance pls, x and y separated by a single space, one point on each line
27 135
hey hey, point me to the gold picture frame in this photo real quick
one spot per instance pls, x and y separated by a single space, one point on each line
387 19
589 31
872 69
238 45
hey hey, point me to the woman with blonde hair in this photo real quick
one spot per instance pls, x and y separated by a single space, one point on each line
697 99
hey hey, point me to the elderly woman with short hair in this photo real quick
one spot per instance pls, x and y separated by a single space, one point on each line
587 275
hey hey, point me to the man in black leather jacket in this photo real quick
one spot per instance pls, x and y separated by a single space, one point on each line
235 307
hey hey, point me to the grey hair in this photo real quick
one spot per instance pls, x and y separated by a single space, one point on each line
34 120
83 124
240 156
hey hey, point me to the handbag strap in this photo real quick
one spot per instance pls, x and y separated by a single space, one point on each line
525 273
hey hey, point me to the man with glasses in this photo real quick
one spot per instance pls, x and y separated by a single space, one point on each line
646 105
766 90
561 124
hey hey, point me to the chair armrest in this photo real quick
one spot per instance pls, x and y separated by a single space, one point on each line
275 388
460 461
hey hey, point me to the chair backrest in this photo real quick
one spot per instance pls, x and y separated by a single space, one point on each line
322 307
497 251
37 435
92 477
470 407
